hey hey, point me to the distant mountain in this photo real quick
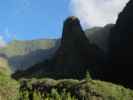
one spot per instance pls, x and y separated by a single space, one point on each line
22 54
73 57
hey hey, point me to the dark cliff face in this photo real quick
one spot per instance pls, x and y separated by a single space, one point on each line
76 54
121 47
122 37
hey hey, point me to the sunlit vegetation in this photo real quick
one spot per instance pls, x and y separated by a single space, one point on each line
69 89
8 86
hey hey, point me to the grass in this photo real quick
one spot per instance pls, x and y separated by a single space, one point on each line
8 86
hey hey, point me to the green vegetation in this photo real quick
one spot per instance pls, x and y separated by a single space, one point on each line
23 54
48 89
8 86
88 76
53 95
17 47
63 89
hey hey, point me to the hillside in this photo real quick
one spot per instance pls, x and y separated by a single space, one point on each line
100 36
4 67
8 86
22 54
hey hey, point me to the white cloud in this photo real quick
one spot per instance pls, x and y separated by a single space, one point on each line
2 42
97 12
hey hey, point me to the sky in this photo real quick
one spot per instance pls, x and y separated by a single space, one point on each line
97 12
37 19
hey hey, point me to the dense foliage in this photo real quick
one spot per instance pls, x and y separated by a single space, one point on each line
48 89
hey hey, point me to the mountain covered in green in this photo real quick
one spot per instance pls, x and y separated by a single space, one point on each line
54 69
22 54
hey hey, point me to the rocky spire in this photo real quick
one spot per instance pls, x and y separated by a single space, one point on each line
75 52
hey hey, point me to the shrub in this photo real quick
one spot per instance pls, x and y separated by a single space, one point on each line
88 76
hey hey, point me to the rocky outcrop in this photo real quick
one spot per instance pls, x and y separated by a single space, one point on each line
75 51
76 54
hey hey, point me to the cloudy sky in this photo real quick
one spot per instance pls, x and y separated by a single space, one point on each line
32 19
97 12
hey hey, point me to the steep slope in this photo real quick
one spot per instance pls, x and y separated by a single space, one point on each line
121 47
75 49
100 36
4 66
73 57
22 54
8 86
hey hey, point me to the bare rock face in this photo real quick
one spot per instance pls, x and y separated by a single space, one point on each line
121 47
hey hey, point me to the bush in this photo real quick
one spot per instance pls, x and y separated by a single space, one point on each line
88 76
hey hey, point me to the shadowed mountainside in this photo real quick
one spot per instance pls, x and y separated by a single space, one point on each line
121 48
100 36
